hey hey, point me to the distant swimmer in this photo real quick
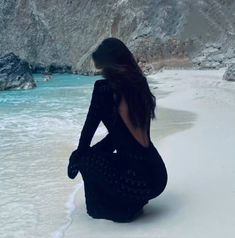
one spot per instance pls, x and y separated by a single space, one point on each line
46 77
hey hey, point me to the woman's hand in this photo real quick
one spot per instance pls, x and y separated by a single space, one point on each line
73 167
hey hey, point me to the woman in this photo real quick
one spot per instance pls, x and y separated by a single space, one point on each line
118 185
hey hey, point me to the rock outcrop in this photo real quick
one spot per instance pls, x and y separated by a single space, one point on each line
229 75
15 73
160 33
213 56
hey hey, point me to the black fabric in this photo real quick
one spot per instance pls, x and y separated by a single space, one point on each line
117 185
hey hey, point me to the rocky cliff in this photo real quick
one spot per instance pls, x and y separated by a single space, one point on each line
62 33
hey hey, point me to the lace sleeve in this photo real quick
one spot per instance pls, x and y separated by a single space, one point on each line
92 121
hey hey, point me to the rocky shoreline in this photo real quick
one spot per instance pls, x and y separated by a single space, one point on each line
61 37
15 73
52 68
230 73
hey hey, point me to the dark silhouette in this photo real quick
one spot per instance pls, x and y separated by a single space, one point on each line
118 185
118 65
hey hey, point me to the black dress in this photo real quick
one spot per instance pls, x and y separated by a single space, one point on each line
117 185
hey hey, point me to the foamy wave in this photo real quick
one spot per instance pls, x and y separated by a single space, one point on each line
70 208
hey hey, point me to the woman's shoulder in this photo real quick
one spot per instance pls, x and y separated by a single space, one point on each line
104 92
101 82
102 85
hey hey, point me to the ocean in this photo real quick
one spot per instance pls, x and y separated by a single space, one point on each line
39 128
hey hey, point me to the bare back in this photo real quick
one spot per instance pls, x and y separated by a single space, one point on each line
138 133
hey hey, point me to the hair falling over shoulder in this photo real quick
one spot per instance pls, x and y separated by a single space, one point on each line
119 67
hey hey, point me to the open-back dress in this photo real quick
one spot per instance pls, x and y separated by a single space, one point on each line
117 184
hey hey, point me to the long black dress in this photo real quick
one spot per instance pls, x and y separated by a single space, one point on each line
117 185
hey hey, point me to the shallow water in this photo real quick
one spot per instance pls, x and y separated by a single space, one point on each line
39 128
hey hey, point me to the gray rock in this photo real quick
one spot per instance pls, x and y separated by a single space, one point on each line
214 56
229 75
229 61
15 73
162 33
52 68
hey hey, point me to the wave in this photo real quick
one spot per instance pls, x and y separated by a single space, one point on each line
70 208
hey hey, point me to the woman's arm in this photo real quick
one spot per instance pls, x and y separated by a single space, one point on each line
104 145
92 121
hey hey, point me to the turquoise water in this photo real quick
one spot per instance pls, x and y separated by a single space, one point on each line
39 128
57 97
58 104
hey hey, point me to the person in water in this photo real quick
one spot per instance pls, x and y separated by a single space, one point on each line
118 184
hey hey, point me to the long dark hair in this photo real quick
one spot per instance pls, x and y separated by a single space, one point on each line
119 67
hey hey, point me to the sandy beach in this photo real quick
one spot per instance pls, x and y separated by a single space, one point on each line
195 134
51 55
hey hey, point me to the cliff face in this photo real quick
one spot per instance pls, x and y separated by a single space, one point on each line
160 32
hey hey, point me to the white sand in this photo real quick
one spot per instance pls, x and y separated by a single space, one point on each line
200 158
